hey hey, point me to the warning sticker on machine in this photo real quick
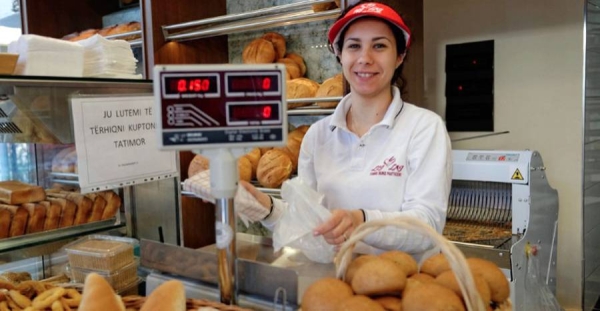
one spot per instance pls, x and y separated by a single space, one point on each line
517 175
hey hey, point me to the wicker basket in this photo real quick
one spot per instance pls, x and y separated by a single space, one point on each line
457 261
136 302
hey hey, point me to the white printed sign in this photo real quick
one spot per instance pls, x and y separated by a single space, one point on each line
116 143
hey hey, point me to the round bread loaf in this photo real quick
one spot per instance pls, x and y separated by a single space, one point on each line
278 42
259 51
264 150
290 155
359 303
435 265
325 295
404 260
355 264
496 280
274 167
378 277
390 303
431 297
199 163
448 279
412 283
300 88
422 277
331 87
254 157
299 61
245 168
291 67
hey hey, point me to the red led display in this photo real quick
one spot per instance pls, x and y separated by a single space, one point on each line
191 85
254 112
253 83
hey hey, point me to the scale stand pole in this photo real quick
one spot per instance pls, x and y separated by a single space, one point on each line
224 181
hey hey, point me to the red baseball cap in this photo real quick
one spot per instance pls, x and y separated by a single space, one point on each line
372 9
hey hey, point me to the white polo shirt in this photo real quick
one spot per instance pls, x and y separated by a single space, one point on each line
401 166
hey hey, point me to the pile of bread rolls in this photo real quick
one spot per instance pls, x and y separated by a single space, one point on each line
65 161
106 31
393 281
271 48
270 166
26 208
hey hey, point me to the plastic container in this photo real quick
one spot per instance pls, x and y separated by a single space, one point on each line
101 252
119 280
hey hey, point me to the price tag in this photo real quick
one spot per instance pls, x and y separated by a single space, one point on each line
116 143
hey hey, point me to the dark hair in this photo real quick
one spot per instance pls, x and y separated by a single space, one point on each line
397 78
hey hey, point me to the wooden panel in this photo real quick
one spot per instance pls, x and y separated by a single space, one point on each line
57 18
198 222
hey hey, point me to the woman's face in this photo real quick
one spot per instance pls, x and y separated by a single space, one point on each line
369 57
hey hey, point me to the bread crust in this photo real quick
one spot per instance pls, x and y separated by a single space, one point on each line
37 217
5 221
53 213
98 295
14 192
169 295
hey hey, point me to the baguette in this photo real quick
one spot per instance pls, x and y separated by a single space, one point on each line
98 206
6 217
53 214
37 217
69 209
20 216
15 192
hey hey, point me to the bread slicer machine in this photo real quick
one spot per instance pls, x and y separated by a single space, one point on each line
502 209
215 109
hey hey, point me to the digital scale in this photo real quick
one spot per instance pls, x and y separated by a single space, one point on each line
214 109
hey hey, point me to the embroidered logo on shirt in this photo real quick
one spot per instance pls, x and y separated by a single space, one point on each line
388 168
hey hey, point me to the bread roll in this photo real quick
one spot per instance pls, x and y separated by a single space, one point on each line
291 67
69 209
325 295
390 303
15 192
37 217
199 164
274 168
422 277
378 277
244 168
435 265
278 42
332 87
98 295
254 157
5 221
431 297
496 280
20 217
355 264
359 303
53 213
299 61
300 88
169 295
404 260
259 51
448 279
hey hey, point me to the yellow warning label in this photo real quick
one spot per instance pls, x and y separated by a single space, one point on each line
517 175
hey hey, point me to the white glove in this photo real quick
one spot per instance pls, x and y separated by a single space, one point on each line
245 204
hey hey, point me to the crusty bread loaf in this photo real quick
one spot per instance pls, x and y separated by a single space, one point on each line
69 209
291 67
431 296
113 204
5 221
378 276
19 220
497 281
332 87
53 213
37 217
274 167
15 192
254 157
169 295
359 303
325 294
259 51
244 168
299 61
98 206
198 164
98 295
278 42
300 88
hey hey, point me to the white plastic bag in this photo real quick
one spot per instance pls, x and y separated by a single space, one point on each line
304 214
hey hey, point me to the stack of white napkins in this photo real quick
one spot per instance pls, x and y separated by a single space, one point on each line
43 56
108 58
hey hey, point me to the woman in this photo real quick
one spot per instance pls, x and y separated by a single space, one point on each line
375 157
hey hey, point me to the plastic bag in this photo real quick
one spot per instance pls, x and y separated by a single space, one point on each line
539 296
304 214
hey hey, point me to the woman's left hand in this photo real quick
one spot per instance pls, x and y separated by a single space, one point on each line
340 226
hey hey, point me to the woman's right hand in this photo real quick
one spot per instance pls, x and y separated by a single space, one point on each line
261 197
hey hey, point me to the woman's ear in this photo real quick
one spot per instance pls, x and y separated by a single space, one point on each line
400 60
